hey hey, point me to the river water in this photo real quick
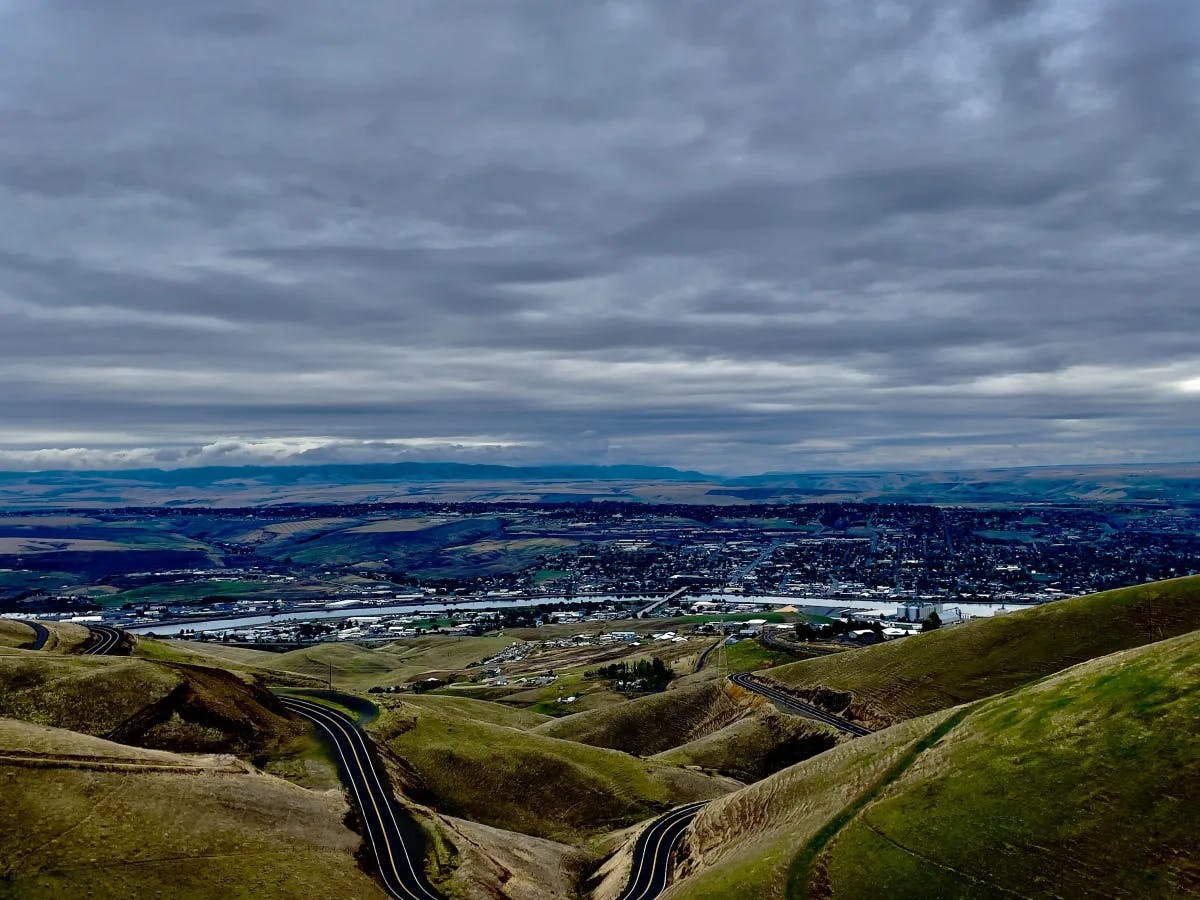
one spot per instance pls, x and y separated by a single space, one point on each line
818 605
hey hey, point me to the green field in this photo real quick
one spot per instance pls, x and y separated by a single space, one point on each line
25 580
750 655
190 592
1040 792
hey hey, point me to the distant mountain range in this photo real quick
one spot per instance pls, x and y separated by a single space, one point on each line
383 482
360 473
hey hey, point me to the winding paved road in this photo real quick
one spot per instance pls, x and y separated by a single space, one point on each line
798 707
653 850
708 650
769 639
40 634
106 640
397 867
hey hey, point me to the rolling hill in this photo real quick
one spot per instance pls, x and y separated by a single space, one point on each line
656 722
755 746
16 634
464 763
1086 783
133 701
62 637
81 816
713 725
240 486
891 682
351 666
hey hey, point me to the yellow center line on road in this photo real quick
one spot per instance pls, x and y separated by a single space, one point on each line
318 715
658 831
326 717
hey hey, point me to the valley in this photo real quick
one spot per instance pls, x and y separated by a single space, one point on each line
507 792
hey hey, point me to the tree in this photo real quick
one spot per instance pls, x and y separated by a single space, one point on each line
932 623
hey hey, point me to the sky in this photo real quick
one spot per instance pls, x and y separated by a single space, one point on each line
738 237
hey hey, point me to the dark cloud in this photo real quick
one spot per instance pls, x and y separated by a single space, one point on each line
773 235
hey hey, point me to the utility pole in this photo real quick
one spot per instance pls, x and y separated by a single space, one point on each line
331 676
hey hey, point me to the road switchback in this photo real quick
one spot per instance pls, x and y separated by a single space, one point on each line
652 853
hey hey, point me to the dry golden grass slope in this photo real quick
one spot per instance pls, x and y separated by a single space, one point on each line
65 637
479 710
83 817
712 724
249 663
492 863
1084 784
657 722
206 653
917 675
134 701
354 667
756 746
15 634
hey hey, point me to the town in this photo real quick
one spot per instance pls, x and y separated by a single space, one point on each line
291 575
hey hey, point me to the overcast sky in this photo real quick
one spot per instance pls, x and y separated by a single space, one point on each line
732 236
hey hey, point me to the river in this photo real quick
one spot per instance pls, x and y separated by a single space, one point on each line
818 605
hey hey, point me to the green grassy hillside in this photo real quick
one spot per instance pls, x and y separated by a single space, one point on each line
1084 784
425 546
928 672
247 663
711 724
522 781
84 817
134 701
358 668
478 710
657 722
755 746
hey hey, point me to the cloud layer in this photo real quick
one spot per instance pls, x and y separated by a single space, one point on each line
772 235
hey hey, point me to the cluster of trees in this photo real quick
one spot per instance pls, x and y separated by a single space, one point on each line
640 675
807 631
429 684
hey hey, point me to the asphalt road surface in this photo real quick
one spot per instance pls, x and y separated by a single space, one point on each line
40 634
707 650
104 640
803 650
798 707
653 850
399 864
